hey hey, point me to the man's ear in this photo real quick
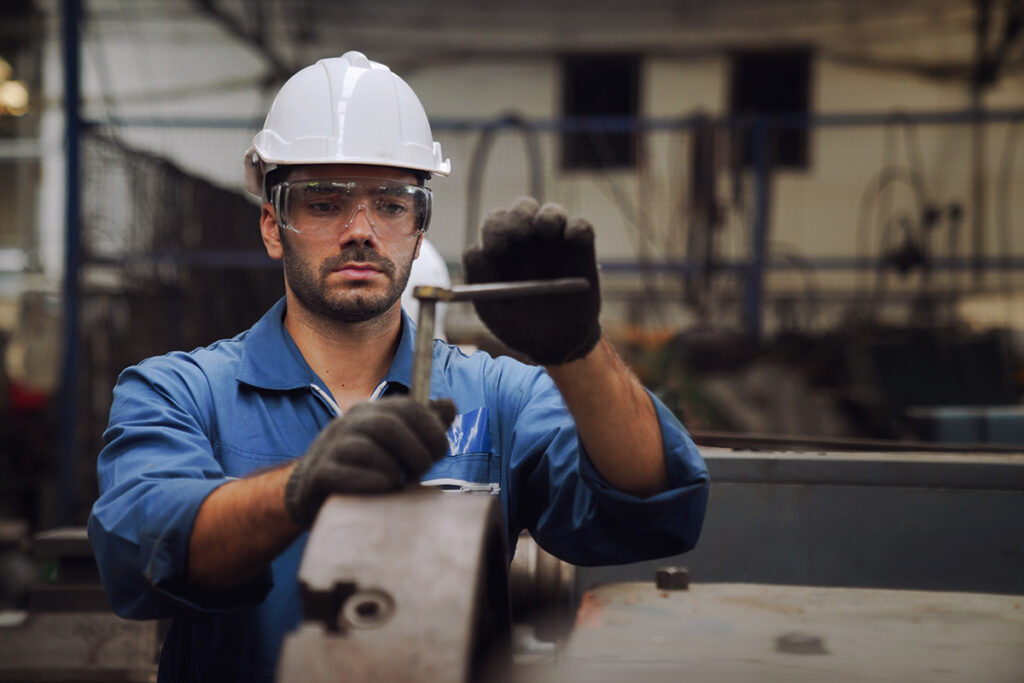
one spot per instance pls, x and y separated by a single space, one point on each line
271 232
419 243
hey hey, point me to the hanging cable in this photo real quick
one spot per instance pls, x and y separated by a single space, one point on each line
478 164
636 214
872 204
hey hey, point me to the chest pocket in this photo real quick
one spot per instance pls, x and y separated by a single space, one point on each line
471 460
238 462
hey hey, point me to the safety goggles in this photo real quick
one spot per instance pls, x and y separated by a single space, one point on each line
326 207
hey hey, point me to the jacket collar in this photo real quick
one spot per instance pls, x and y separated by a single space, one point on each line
400 371
271 360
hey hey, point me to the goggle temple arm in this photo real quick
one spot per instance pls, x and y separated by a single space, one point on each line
276 201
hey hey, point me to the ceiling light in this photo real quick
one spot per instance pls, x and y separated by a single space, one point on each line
13 98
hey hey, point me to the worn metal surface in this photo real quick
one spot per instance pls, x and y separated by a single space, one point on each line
742 632
411 586
78 646
542 590
915 521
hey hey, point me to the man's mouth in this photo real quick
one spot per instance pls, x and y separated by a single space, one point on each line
357 263
357 271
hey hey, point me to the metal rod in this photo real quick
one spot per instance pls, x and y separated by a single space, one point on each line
423 351
627 124
502 290
428 296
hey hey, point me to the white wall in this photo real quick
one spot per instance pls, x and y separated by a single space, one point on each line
192 68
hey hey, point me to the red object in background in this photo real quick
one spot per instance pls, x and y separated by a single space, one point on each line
23 399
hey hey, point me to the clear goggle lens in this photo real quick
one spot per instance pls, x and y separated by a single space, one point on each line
327 207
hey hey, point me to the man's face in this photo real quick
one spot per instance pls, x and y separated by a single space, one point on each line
349 273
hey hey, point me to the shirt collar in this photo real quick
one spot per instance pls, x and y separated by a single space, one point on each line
271 360
400 371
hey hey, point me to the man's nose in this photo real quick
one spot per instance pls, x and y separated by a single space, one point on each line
359 226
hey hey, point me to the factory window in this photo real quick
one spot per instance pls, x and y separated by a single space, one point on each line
604 89
772 83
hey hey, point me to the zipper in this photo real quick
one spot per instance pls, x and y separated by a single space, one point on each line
490 487
326 398
332 404
379 390
447 485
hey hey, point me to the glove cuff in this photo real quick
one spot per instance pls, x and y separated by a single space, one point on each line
293 496
585 346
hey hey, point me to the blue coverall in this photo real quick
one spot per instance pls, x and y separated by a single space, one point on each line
185 423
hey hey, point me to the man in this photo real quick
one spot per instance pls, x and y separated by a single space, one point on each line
216 461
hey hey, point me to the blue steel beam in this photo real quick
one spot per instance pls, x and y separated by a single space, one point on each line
71 42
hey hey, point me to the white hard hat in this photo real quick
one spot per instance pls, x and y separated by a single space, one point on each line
344 110
429 268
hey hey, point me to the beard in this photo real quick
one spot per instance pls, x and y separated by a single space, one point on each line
358 301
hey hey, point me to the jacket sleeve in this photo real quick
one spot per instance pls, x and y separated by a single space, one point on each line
155 470
571 511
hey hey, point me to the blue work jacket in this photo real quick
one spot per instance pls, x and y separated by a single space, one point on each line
185 423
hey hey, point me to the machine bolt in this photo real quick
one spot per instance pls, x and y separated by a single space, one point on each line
672 578
800 644
367 609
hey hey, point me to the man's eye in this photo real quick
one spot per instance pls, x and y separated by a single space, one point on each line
322 207
393 209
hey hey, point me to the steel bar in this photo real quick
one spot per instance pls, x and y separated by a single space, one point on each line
428 296
423 350
501 290
68 420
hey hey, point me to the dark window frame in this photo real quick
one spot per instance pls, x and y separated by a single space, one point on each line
600 86
772 83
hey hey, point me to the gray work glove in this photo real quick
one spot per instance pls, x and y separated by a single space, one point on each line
373 448
531 242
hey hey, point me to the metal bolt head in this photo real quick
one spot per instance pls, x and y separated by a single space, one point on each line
367 609
672 578
800 644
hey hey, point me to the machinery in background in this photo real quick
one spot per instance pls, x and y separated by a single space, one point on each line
716 632
62 628
788 584
948 385
814 562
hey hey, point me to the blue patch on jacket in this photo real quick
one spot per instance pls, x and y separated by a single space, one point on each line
470 433
471 460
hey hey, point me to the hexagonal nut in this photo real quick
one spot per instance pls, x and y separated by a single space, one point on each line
672 578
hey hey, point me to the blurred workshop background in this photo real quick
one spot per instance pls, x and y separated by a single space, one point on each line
809 212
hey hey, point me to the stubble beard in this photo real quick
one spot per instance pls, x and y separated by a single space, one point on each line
356 302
